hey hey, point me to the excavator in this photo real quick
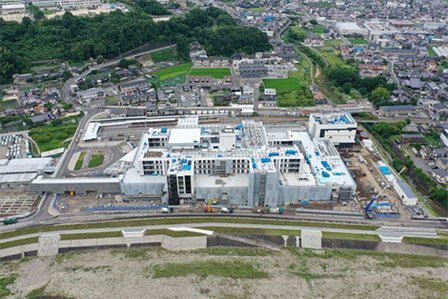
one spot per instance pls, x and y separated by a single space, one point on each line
209 208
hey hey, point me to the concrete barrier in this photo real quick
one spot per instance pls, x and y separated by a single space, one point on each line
48 245
311 239
184 243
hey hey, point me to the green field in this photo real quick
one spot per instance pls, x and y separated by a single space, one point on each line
80 161
232 269
257 9
81 236
252 231
217 73
52 137
7 104
171 233
426 241
5 281
165 55
96 160
281 84
431 52
348 236
111 100
171 72
319 29
359 41
290 91
331 55
19 242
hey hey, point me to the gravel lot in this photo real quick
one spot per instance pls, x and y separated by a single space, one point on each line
291 274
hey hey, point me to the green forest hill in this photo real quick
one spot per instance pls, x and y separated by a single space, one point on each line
109 35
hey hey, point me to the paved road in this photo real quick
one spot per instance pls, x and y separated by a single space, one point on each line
65 159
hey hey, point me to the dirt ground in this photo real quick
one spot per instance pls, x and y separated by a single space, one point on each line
290 274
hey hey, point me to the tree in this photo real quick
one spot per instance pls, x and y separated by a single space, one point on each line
295 35
342 74
109 35
379 96
152 7
56 122
67 75
10 64
38 15
100 59
440 195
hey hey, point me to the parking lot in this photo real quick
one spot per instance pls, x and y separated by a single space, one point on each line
14 147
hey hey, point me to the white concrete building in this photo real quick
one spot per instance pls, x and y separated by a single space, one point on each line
66 4
405 193
10 9
350 28
339 128
379 30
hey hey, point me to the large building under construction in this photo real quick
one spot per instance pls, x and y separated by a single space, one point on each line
247 164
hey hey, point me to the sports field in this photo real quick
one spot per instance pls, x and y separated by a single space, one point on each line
171 72
217 73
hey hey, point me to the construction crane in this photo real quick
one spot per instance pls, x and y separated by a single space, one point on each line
367 207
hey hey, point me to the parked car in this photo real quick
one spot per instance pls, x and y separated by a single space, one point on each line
226 210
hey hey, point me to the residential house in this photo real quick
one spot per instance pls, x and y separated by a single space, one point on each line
441 152
40 118
412 138
401 110
269 97
442 163
90 94
426 152
440 175
136 86
252 70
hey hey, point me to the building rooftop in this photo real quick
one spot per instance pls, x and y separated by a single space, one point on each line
332 118
398 108
407 191
16 166
324 162
184 137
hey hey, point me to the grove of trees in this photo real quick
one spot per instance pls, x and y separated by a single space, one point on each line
376 89
109 35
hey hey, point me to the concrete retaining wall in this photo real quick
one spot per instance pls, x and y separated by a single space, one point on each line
201 242
187 243
349 244
411 249
216 241
18 251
